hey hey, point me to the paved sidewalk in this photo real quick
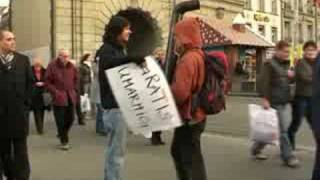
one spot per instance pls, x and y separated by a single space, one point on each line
226 157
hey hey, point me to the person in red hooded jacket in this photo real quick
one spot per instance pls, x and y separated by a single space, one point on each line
188 79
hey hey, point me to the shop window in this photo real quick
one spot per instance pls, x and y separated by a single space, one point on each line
262 30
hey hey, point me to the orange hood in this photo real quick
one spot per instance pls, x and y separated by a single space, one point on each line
188 32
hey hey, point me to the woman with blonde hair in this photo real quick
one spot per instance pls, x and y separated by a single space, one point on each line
38 106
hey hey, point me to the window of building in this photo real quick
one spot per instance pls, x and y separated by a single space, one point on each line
261 5
310 32
274 33
300 5
300 33
262 30
248 4
274 7
287 31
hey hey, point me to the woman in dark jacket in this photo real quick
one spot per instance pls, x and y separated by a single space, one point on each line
38 106
86 74
85 77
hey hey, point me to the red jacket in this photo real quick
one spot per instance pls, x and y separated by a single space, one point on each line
62 82
190 70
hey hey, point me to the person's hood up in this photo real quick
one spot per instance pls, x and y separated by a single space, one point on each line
188 32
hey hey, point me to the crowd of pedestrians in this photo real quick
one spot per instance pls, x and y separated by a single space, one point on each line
62 86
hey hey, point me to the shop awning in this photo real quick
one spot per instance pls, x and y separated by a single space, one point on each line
221 32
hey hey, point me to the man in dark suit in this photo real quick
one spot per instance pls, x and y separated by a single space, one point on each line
315 122
15 92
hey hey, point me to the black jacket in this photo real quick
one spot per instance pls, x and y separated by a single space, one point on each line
110 55
304 73
37 102
15 96
85 77
276 83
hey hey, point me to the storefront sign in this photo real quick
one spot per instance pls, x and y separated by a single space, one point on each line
144 97
261 18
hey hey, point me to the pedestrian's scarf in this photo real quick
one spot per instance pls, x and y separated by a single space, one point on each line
7 61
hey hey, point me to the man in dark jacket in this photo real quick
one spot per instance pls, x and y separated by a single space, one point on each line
62 83
160 58
112 54
16 82
276 78
315 124
302 102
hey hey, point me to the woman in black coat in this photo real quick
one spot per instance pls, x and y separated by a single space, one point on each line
37 103
85 77
86 74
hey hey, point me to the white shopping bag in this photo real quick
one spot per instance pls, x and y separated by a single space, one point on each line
264 126
85 103
144 97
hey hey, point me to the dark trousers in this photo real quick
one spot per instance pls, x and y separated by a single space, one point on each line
316 170
80 114
186 152
301 108
156 136
39 119
64 117
14 160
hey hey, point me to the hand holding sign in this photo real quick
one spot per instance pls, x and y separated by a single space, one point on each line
144 97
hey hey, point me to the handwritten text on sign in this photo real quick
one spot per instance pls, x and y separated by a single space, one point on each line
144 97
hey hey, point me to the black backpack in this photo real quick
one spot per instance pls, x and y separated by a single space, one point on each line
211 97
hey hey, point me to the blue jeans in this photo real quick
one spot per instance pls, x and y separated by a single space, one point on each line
284 116
99 120
116 129
301 108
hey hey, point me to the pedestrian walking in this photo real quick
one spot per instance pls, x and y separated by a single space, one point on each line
78 109
188 78
85 79
112 54
37 104
276 78
16 82
62 82
96 98
160 58
315 121
302 105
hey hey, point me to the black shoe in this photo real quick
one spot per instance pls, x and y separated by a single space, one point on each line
157 142
81 123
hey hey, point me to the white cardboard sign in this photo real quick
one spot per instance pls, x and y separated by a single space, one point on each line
144 97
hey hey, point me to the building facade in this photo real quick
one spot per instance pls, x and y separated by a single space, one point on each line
264 17
78 25
299 21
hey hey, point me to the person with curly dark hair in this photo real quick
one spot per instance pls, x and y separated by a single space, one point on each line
113 53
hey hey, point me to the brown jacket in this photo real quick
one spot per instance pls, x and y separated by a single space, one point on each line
190 70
